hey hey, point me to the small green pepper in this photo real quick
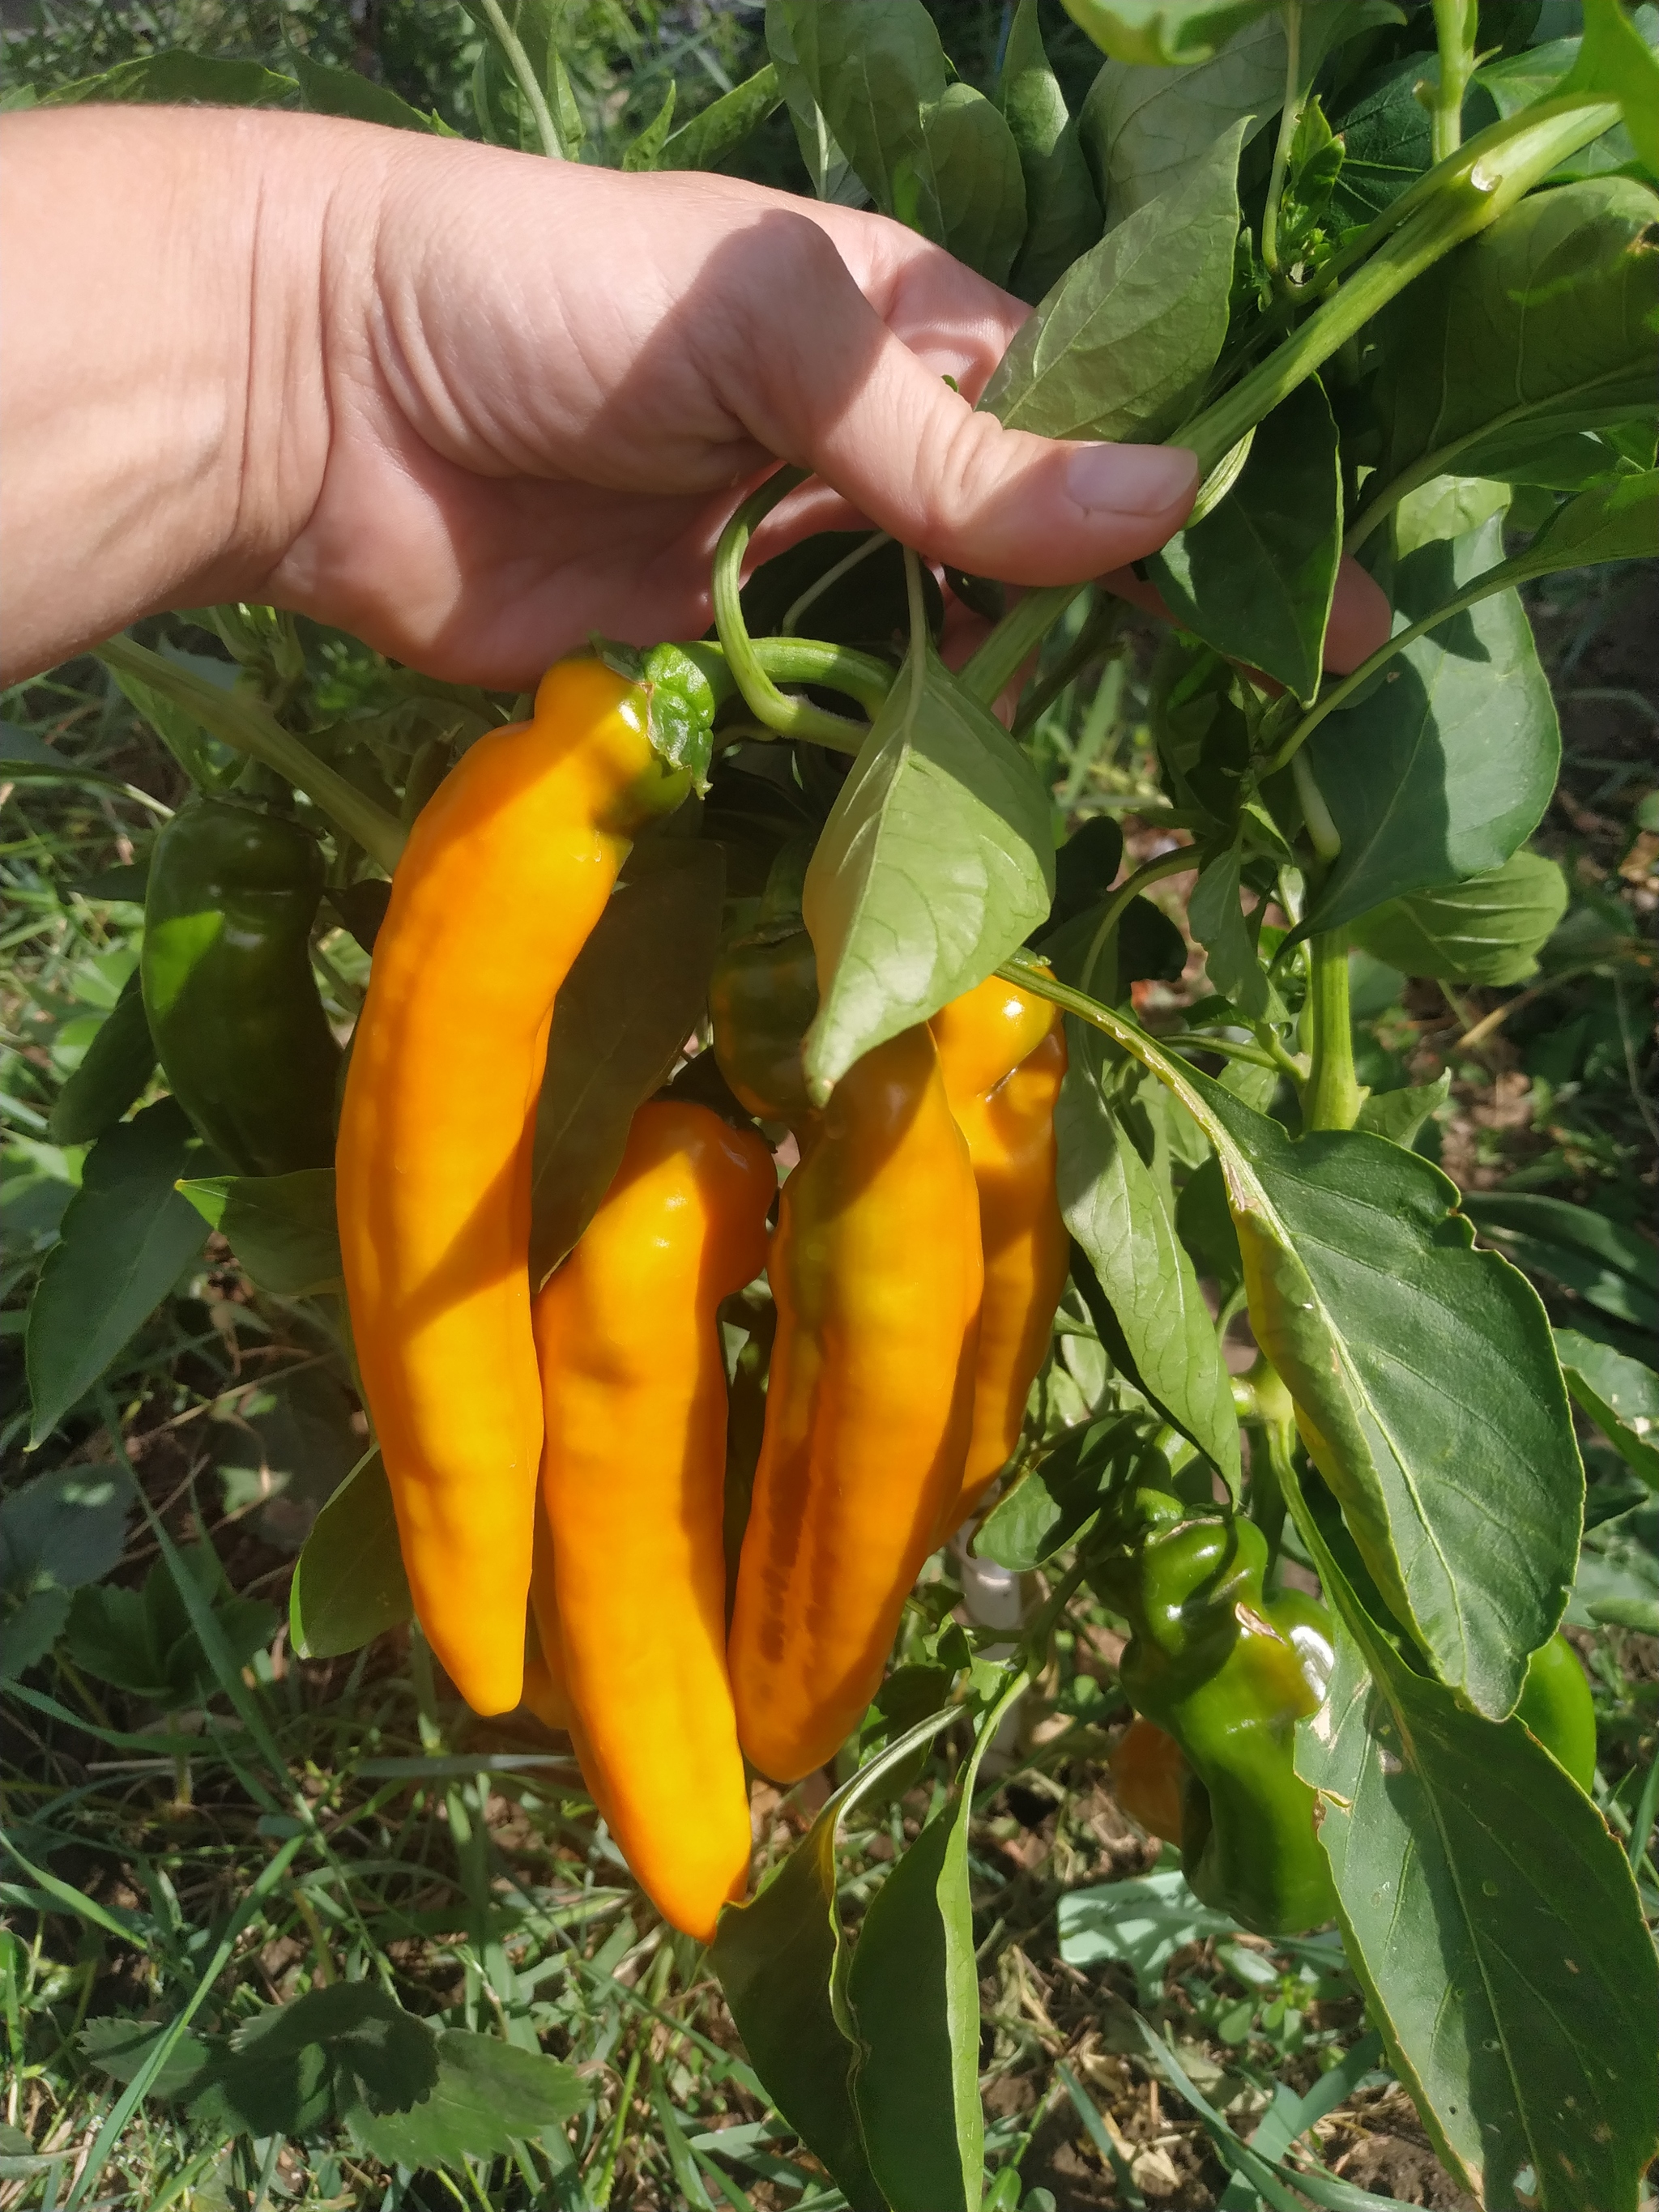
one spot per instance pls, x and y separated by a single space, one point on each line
763 997
1227 1674
1556 1705
228 987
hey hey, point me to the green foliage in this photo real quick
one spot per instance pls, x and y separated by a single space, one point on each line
348 1582
1487 929
145 1641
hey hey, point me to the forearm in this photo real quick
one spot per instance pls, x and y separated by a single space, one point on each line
163 421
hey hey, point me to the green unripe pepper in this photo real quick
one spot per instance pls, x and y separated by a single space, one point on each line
228 987
1556 1706
1227 1674
763 997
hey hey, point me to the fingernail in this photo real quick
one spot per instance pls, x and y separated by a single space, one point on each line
1132 479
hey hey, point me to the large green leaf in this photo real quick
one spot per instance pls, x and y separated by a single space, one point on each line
1215 913
913 1994
782 1962
1487 929
487 2094
1495 1925
58 1531
1441 765
127 1236
1620 1396
1615 60
1602 1260
1146 130
936 862
1121 346
832 174
721 127
349 1581
1544 324
179 79
281 1228
1116 1209
1062 213
1387 141
1255 578
1158 34
968 192
348 92
633 996
1425 1384
1614 519
115 1071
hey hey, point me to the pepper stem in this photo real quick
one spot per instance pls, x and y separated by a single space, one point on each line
1333 1098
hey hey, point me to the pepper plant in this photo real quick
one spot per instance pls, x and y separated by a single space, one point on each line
1394 275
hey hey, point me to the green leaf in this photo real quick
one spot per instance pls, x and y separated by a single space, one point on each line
1487 929
1062 213
57 1532
1158 34
633 996
281 1228
1543 323
1399 1116
781 1961
1124 1220
643 152
179 79
1620 1396
1148 130
143 1641
1255 578
1616 518
389 2057
1053 1504
488 2095
719 129
1141 1922
1425 1385
832 177
939 844
1441 765
914 1992
348 92
1495 1926
1611 1266
1615 61
121 2048
1388 142
968 187
1619 1572
349 1581
114 1073
127 1237
1215 914
1122 344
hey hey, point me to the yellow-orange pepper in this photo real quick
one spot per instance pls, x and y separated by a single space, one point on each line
1002 1054
630 1589
876 1270
507 868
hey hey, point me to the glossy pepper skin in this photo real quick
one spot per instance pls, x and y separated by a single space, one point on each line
876 1270
229 993
1556 1706
630 1591
1210 1664
507 868
1002 1055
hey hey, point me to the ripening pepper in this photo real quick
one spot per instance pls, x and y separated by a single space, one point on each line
1002 1055
1227 1673
1150 1778
1556 1706
876 1270
629 1589
229 998
762 997
508 866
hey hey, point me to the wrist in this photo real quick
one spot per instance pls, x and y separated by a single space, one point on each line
165 412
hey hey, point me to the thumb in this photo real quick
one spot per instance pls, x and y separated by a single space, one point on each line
838 393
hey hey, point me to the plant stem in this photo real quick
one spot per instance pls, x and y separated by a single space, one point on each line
1333 1098
1485 179
790 718
1454 30
1290 116
1322 832
1094 635
1021 630
518 62
244 723
830 577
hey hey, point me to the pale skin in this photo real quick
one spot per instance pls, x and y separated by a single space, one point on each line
472 405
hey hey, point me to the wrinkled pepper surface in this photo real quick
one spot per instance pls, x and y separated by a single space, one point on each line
1002 1055
228 995
507 868
629 1589
877 1274
1227 1674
